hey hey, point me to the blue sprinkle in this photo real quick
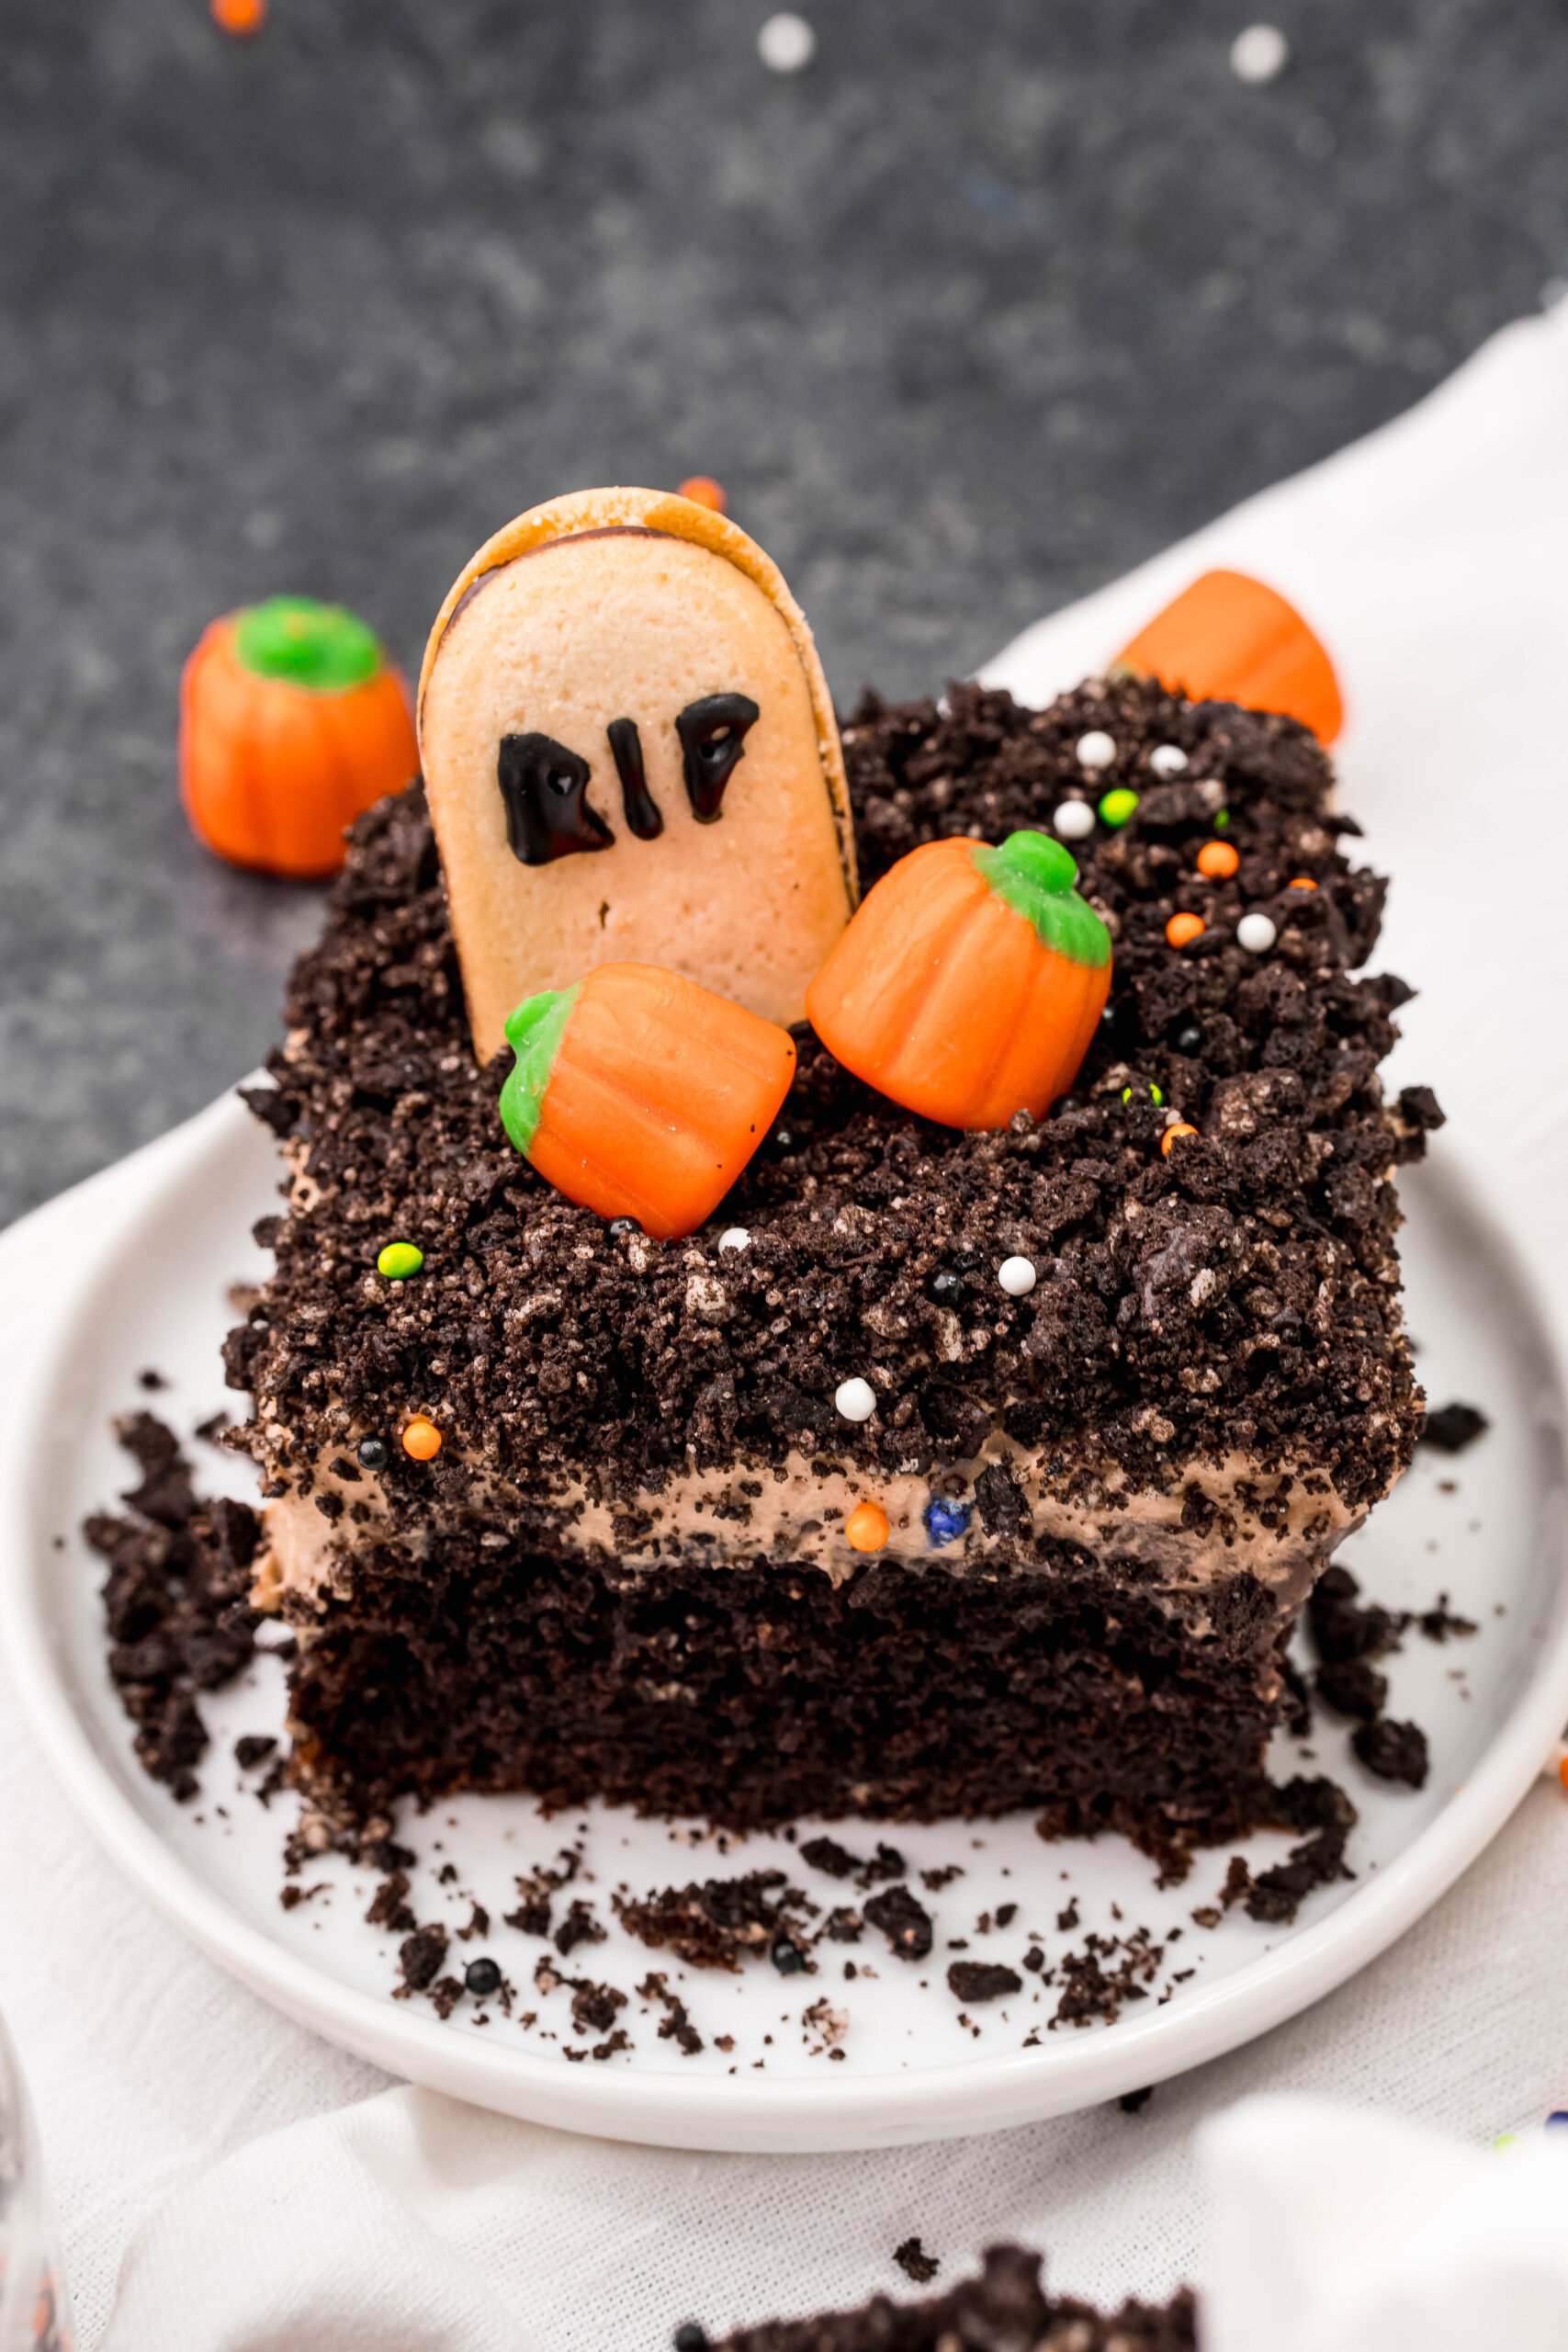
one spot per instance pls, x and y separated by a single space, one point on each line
1558 2120
945 1522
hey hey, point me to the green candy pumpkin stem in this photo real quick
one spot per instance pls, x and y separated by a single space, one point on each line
1035 875
320 645
533 1033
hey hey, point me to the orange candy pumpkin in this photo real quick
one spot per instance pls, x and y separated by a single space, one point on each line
292 723
638 1094
969 982
1229 639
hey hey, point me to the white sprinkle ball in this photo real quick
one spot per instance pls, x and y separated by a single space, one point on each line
1260 54
1167 759
735 1236
786 43
1074 819
1017 1277
1256 933
856 1399
1097 749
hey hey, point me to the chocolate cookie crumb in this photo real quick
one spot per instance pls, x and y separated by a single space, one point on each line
915 2262
420 1957
176 1600
1352 1686
579 1927
1393 1751
711 1925
906 1923
1453 1427
972 1981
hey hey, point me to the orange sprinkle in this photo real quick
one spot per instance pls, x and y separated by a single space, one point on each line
1562 1770
866 1527
422 1439
1218 860
702 491
1177 1127
1182 929
239 17
1302 882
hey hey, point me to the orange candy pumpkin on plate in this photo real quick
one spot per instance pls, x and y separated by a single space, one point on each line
1230 638
638 1094
969 982
292 724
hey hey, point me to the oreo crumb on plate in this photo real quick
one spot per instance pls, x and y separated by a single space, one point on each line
176 1600
1393 1751
1452 1428
906 1923
420 1957
715 1923
973 1980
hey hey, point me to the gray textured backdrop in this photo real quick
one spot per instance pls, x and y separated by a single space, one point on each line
993 300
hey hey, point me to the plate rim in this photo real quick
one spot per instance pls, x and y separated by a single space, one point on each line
993 2090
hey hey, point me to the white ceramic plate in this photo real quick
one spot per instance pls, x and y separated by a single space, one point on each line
134 1270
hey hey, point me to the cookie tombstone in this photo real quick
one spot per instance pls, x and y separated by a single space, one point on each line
631 756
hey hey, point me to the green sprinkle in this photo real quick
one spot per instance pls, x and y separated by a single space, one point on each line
1157 1095
1117 806
398 1260
319 646
1222 818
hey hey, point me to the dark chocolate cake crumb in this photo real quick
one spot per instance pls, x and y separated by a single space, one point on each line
593 2007
1453 1427
1108 1972
915 2262
676 2024
906 1923
1352 1686
1342 1627
827 1854
420 1957
1393 1751
973 1981
152 1380
389 1906
1439 1624
254 1748
445 1996
176 1600
1275 1896
714 1924
1134 2102
579 1927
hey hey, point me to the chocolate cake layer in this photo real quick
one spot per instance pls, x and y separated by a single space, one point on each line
1005 2309
758 1696
1207 1386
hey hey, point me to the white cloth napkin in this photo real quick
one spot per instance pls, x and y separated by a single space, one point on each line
207 2153
1335 2232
